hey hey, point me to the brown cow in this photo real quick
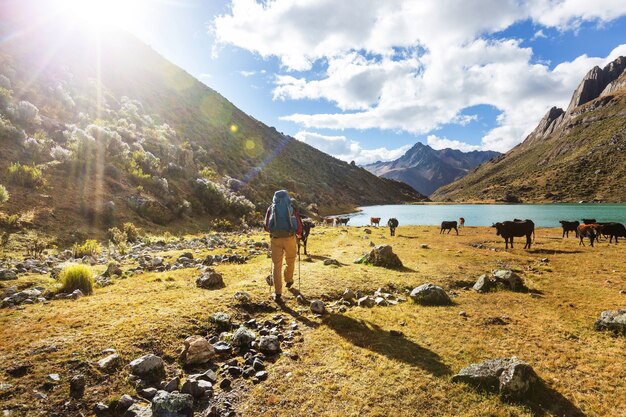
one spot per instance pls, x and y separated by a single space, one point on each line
329 221
588 230
461 221
375 221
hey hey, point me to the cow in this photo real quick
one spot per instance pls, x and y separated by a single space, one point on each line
392 223
375 221
569 227
517 228
589 221
342 220
307 225
461 221
588 230
613 229
329 221
448 225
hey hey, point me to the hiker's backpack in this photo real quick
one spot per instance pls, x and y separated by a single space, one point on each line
282 221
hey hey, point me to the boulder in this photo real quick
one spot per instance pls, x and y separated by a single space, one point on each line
242 296
317 307
221 320
430 294
7 275
383 256
511 377
172 404
269 345
113 269
510 279
210 280
348 295
613 320
243 337
366 301
197 350
109 363
77 386
136 410
150 367
484 284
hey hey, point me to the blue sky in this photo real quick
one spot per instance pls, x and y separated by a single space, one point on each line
366 79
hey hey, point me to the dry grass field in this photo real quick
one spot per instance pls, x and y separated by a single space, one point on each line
349 364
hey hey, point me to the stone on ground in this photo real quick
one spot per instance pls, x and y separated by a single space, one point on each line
210 280
383 256
172 404
197 350
430 294
317 307
613 320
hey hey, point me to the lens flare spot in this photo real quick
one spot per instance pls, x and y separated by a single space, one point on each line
234 128
250 145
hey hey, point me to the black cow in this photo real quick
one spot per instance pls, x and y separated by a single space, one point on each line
589 221
342 220
613 229
392 223
510 229
307 224
448 225
569 227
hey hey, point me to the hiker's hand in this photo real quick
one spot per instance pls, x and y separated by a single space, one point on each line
299 237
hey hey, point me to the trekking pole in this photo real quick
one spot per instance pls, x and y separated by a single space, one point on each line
298 270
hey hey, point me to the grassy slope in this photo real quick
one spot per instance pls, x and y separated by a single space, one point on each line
349 364
565 164
201 118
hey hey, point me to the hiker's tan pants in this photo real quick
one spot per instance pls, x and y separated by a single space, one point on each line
287 247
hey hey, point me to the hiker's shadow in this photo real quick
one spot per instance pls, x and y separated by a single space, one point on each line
324 258
297 316
370 336
544 401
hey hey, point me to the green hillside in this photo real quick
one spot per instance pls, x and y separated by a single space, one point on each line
118 133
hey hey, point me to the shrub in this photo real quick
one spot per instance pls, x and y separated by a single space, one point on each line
24 175
222 225
61 154
10 222
35 247
131 231
4 194
116 236
88 248
217 199
27 112
76 277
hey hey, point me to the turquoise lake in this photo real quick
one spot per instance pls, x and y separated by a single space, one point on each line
544 215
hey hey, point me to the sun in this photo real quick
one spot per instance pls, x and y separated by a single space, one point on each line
102 14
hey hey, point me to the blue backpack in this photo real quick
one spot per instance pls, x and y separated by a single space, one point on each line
282 221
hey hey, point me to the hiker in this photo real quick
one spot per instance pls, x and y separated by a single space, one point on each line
283 223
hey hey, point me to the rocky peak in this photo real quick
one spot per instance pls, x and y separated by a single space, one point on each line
595 82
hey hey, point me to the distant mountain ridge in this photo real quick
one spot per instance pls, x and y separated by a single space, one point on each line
572 155
426 169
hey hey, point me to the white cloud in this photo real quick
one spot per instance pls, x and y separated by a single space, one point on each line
436 142
205 76
349 150
247 73
414 66
538 34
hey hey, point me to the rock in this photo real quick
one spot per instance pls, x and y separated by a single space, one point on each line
124 403
430 294
484 284
76 294
77 386
366 301
317 307
242 297
510 377
225 384
113 269
331 261
269 345
150 367
197 350
381 302
166 404
136 410
196 387
261 375
101 410
221 319
613 320
243 337
424 246
54 377
172 385
109 363
348 295
383 256
147 393
510 279
7 275
222 348
210 280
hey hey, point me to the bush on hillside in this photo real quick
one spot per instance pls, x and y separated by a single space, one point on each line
59 153
24 175
88 248
131 231
27 113
10 222
4 194
82 145
76 277
218 200
116 236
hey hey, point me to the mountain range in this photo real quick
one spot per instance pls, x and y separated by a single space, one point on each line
576 154
426 169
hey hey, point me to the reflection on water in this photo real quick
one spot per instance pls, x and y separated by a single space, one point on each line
544 215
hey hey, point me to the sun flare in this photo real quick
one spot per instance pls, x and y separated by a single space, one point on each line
99 14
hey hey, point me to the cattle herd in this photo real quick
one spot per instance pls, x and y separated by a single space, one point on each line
589 228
